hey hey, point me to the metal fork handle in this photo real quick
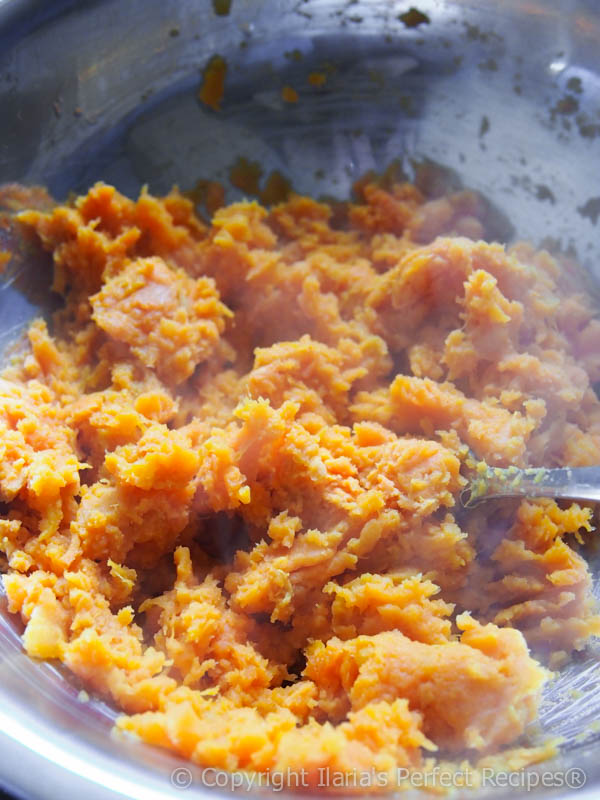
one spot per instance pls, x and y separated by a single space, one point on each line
569 483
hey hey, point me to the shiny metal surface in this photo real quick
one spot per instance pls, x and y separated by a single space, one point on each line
572 483
505 95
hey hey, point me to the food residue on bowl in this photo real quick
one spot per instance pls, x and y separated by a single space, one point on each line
317 78
222 7
213 83
230 475
289 94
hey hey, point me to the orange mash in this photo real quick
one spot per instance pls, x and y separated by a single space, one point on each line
230 475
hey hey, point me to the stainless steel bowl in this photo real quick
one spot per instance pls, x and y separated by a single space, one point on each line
504 95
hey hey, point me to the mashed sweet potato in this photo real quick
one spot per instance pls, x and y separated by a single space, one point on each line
230 474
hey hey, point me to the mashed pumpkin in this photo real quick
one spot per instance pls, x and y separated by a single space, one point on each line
230 475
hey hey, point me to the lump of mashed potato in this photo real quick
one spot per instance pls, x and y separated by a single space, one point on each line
230 473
